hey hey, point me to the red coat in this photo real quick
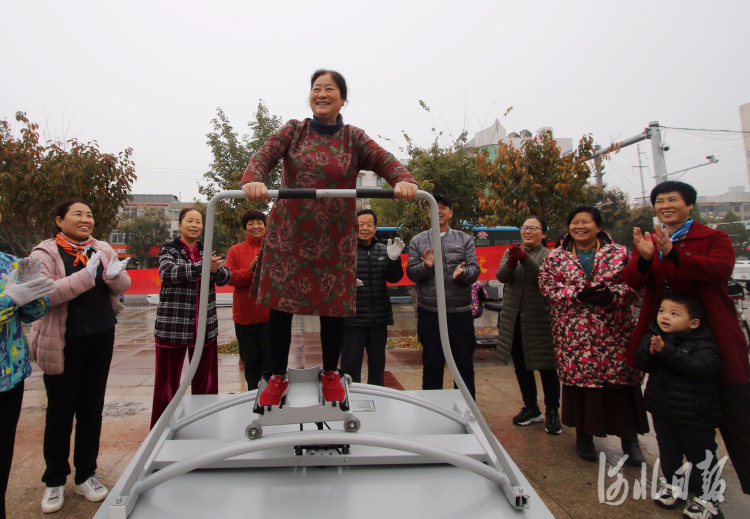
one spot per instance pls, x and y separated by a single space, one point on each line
244 308
705 266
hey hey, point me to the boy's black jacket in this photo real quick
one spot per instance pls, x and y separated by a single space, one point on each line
681 383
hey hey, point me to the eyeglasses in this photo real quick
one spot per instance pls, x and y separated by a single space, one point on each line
532 228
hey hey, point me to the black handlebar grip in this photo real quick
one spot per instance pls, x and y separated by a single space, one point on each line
296 193
374 192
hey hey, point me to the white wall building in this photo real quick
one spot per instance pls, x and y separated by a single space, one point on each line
492 135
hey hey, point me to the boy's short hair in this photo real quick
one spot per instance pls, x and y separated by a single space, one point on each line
692 304
252 214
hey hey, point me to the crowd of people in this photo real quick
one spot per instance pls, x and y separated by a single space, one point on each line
569 313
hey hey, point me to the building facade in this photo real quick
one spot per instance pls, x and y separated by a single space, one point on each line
715 208
490 139
136 206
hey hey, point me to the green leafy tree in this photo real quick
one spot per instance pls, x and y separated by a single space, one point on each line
35 177
438 169
149 228
619 214
737 232
231 155
535 179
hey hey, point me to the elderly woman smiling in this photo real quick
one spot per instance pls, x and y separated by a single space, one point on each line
524 325
683 255
308 262
592 322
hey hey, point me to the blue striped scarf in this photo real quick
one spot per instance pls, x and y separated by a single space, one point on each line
679 233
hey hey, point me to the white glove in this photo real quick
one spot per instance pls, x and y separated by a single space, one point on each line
359 283
28 269
116 267
24 293
394 248
93 264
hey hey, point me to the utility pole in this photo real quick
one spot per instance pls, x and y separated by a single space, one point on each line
640 167
660 166
598 167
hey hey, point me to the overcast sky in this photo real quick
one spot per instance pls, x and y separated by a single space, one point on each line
150 75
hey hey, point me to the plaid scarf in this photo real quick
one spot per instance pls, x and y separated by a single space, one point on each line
77 249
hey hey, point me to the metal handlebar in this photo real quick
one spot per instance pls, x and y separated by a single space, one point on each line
130 489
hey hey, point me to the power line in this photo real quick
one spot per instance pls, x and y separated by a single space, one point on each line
704 130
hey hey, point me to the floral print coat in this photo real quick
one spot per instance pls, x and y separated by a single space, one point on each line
14 349
309 259
590 341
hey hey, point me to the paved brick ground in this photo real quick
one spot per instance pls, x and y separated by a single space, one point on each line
567 484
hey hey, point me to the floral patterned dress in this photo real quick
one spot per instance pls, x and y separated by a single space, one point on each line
308 262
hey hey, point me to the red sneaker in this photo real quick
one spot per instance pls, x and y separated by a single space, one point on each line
332 388
275 390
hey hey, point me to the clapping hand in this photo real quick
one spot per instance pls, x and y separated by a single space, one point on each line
394 248
31 290
429 258
657 344
93 264
643 243
116 267
459 270
28 269
662 240
518 253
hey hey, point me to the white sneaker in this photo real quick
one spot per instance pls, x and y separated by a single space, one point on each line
668 495
53 499
92 490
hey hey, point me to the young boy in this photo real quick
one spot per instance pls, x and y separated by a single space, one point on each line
681 358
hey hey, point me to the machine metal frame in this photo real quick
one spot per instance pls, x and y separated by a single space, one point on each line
493 464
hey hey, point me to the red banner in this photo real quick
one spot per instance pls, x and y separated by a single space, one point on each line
488 258
147 281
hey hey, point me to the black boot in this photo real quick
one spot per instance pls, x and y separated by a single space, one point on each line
631 447
585 446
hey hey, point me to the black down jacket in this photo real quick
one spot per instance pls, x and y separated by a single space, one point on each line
681 383
374 268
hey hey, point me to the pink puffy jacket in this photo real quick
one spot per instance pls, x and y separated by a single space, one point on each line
48 333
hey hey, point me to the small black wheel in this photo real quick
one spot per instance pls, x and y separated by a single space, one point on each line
253 432
352 424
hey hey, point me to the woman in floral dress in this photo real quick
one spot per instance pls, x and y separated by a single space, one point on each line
593 318
308 263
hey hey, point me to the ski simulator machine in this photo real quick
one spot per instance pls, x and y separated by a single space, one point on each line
380 453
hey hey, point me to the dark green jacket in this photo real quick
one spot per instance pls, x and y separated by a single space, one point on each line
521 294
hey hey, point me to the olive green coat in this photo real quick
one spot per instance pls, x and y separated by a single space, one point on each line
521 294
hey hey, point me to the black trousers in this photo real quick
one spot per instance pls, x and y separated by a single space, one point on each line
526 380
462 339
280 331
77 392
10 406
357 339
676 441
255 351
735 428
